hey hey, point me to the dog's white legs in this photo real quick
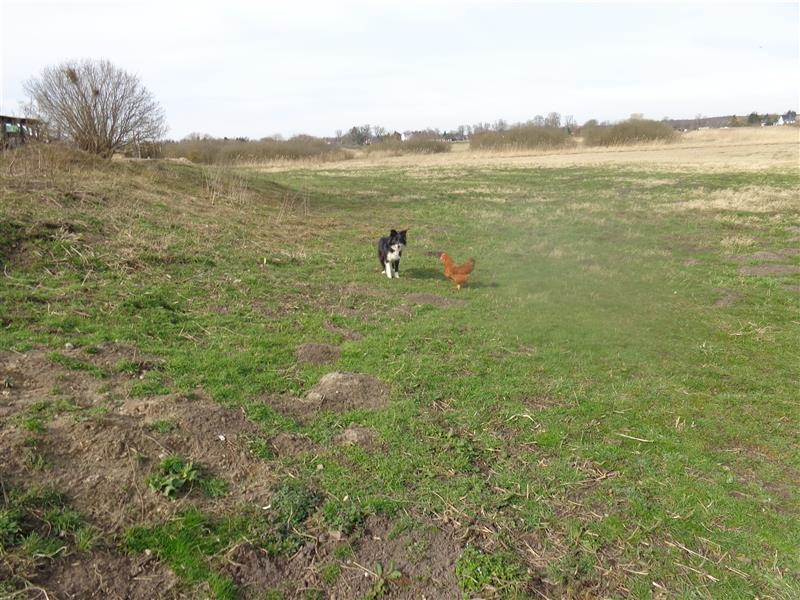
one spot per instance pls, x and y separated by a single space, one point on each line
388 269
396 274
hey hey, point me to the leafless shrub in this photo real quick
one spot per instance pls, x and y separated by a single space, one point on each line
207 150
294 203
634 131
97 106
416 145
521 136
224 185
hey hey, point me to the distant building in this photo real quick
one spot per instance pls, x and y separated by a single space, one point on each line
15 131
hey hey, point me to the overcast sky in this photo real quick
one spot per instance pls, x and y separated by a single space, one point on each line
236 68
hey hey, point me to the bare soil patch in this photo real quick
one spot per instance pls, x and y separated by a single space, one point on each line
335 392
726 298
425 298
792 288
769 270
254 572
317 354
348 334
99 445
289 444
425 557
765 255
355 435
110 576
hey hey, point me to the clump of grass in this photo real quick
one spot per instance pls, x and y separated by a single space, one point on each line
75 364
164 425
522 136
292 503
634 131
34 454
502 572
36 525
344 516
186 543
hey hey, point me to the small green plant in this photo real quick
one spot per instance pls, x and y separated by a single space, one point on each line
344 516
258 446
10 527
343 552
164 426
63 520
85 538
34 455
330 573
174 474
383 577
292 503
152 385
33 424
214 487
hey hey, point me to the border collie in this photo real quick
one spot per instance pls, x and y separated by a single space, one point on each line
390 249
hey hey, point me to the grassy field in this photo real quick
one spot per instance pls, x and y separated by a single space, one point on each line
608 409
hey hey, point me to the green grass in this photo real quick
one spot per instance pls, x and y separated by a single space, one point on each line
587 394
38 525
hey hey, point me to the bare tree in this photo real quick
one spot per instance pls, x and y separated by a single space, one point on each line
97 106
553 120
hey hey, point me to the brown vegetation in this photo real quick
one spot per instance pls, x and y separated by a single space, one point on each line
634 131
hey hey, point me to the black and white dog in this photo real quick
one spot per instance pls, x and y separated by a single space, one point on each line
390 249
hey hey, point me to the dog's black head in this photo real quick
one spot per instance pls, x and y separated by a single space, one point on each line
397 240
397 237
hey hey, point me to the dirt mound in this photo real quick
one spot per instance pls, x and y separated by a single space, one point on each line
335 392
33 378
424 298
769 270
356 435
111 356
341 392
347 334
425 557
726 298
317 354
254 572
289 444
103 462
110 576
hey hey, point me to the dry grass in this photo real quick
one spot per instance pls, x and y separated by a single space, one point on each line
712 149
755 199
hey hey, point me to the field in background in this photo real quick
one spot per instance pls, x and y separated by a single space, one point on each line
741 148
608 409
